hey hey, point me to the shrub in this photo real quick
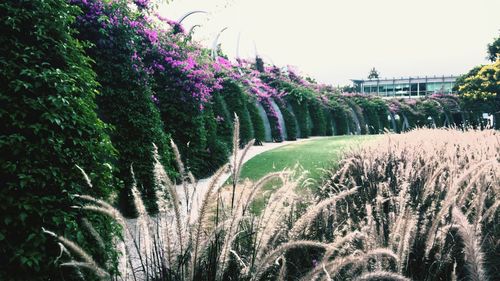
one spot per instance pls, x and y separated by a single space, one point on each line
127 100
272 115
340 116
237 103
318 120
49 125
358 113
329 124
217 151
257 122
223 119
442 220
289 117
301 111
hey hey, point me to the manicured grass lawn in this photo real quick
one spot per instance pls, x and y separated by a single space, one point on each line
312 155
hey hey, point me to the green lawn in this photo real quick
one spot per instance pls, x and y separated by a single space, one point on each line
312 155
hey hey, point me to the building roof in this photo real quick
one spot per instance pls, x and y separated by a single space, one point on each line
445 78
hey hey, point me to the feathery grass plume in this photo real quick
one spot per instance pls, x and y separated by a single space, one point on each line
236 141
166 186
88 260
258 185
274 254
182 170
85 176
490 212
473 255
103 275
339 242
90 228
202 212
473 182
242 157
278 205
283 270
381 276
450 198
305 220
355 260
143 220
330 250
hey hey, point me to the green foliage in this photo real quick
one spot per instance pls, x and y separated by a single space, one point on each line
317 118
217 151
373 74
329 123
49 125
126 103
237 103
223 119
289 118
494 50
340 116
258 124
480 90
272 116
374 112
301 111
358 111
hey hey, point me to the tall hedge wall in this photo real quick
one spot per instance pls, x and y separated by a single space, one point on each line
49 125
127 97
237 103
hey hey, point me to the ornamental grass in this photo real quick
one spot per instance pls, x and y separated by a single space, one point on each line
417 206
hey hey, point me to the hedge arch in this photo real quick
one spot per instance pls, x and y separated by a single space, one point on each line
237 103
290 120
272 115
318 120
265 120
257 121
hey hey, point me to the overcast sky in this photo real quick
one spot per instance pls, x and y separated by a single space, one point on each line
334 41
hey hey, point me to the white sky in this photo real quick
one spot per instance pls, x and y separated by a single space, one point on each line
334 41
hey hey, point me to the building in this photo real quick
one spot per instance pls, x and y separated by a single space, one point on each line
406 87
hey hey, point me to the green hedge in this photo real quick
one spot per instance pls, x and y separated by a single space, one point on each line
217 150
49 125
340 116
272 116
237 103
374 112
289 118
318 119
301 111
223 118
258 123
126 103
358 111
328 121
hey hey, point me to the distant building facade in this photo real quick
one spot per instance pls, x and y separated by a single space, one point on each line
406 86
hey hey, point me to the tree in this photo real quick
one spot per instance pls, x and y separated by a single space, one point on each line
373 74
479 89
494 50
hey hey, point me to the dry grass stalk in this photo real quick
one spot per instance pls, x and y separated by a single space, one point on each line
381 276
472 251
303 222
